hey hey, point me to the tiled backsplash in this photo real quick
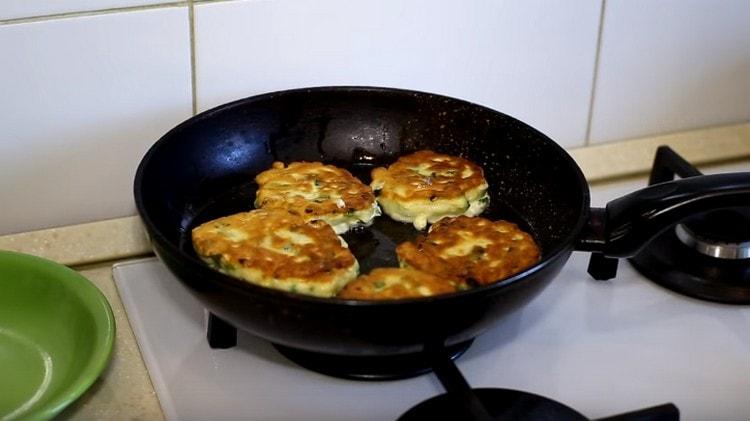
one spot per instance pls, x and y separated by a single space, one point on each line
484 51
88 85
671 65
82 100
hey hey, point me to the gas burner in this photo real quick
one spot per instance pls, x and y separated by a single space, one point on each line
724 234
501 404
508 404
706 256
222 335
460 402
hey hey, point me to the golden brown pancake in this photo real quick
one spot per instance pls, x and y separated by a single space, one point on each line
396 283
276 249
315 191
425 186
471 249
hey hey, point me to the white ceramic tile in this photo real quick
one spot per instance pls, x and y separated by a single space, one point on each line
672 65
82 100
13 9
533 60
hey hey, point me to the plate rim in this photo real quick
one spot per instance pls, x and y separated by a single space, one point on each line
96 303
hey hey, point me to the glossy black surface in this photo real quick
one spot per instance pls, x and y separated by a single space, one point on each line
220 334
516 405
629 223
205 167
462 402
501 404
672 264
669 262
369 367
633 220
723 226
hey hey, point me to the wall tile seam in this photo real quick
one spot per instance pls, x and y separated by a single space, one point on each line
193 46
595 74
192 3
218 1
95 12
193 58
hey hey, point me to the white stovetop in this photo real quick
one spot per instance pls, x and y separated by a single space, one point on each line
599 347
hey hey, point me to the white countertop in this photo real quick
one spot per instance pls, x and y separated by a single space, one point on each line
601 348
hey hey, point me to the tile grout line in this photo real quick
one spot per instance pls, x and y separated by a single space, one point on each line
193 77
193 56
587 138
215 1
68 15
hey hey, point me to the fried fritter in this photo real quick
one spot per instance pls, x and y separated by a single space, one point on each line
471 249
316 191
276 249
425 186
396 283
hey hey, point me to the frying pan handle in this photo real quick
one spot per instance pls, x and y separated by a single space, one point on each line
628 223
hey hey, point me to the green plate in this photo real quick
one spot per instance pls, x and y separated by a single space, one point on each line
56 336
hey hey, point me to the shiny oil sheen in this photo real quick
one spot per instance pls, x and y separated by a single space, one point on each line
204 168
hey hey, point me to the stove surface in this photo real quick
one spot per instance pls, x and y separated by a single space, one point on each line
601 348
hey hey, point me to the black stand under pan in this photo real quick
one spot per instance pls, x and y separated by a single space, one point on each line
460 402
222 335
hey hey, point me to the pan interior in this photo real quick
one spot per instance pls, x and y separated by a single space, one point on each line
373 246
204 168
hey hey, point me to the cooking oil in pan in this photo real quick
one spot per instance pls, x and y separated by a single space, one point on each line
373 246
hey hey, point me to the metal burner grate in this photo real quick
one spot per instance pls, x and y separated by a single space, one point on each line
705 256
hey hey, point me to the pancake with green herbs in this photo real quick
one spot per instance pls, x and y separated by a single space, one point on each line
425 186
397 283
476 250
279 250
315 191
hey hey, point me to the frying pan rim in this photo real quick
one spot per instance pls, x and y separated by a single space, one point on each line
563 246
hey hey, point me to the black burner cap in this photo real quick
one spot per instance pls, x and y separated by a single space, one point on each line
724 226
515 405
501 404
672 264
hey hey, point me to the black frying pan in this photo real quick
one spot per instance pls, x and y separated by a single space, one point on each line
204 168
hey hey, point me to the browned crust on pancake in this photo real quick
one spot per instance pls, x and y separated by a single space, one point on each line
426 175
265 236
501 250
335 190
396 283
